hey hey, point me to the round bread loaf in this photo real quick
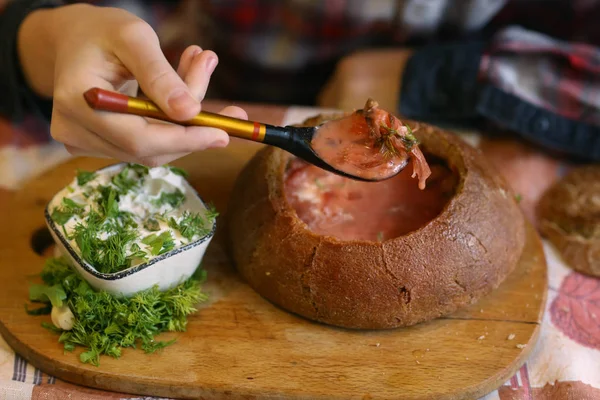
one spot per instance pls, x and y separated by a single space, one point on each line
569 216
451 261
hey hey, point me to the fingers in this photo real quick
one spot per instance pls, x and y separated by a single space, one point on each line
127 137
234 112
195 68
81 141
139 50
141 138
149 162
200 70
76 151
186 59
84 143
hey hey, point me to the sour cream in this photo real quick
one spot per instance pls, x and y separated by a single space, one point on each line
142 202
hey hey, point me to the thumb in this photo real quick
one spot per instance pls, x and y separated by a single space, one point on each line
141 54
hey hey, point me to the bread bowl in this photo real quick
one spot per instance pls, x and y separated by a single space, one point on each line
569 216
460 251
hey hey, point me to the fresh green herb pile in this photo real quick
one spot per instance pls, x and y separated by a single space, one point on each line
104 324
108 238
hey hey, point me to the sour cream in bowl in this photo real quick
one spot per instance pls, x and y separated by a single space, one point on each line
126 227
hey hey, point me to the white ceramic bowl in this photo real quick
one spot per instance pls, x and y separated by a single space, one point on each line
166 270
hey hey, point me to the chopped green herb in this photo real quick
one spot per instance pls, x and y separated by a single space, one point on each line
70 205
151 224
70 347
174 199
87 192
211 212
67 210
106 230
518 198
127 219
140 170
201 275
380 236
61 217
194 224
409 140
104 324
178 171
108 201
124 181
386 141
319 184
44 310
84 177
151 347
70 189
137 252
159 244
50 327
52 294
106 255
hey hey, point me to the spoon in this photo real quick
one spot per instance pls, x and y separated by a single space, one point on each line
295 140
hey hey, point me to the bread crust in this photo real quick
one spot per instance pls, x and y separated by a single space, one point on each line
455 259
569 217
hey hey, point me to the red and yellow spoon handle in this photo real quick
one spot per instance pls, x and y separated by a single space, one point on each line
105 100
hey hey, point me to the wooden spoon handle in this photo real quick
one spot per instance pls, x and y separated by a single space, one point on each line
105 100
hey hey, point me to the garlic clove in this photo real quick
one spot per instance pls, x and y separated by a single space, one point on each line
62 317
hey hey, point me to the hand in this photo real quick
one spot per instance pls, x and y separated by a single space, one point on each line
373 73
67 50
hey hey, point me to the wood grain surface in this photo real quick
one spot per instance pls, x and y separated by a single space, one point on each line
239 346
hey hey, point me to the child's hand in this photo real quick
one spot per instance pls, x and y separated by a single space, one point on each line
67 50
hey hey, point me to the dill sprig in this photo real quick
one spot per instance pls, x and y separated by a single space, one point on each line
386 140
107 255
105 324
194 224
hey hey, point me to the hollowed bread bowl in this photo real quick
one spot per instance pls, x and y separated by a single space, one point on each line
569 217
449 262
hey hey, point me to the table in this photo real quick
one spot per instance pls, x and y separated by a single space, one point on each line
564 365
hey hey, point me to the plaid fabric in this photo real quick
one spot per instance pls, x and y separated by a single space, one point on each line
540 52
556 75
283 51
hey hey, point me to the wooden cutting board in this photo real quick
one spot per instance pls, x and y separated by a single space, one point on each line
240 346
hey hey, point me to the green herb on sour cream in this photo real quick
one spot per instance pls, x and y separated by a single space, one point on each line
116 220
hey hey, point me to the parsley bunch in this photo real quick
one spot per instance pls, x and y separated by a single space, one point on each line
105 324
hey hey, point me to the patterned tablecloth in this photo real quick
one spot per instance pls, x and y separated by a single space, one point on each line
564 365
